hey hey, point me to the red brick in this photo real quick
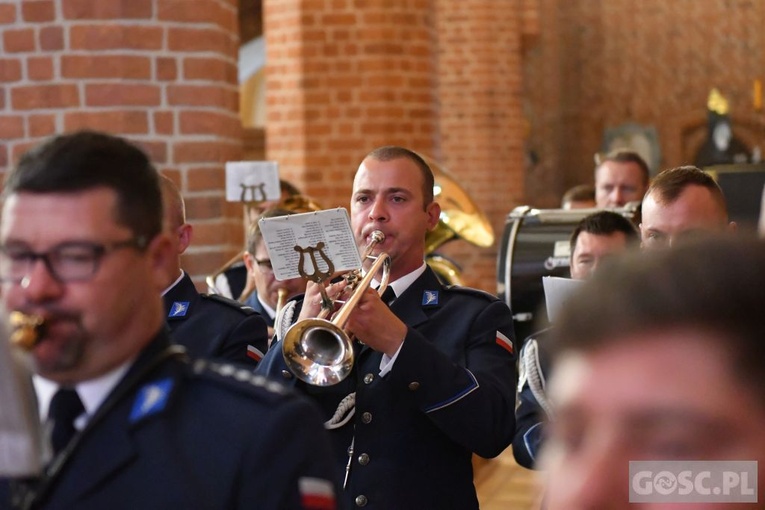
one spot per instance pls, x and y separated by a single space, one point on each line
157 151
11 126
130 122
201 39
122 94
18 149
192 95
108 37
107 9
205 179
7 14
206 152
37 11
210 123
41 125
10 69
18 40
209 69
105 66
40 68
38 97
167 68
164 123
51 38
204 11
3 156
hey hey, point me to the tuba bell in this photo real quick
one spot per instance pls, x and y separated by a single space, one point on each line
460 218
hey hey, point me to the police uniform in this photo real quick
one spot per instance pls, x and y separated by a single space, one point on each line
254 303
533 407
213 326
450 393
196 434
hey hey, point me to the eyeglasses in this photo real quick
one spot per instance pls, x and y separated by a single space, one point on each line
265 265
74 261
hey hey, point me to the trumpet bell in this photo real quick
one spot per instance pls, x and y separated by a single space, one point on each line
318 352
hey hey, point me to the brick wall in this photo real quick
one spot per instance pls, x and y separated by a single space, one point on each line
440 77
154 71
602 63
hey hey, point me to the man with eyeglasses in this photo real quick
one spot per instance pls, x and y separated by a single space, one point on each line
265 298
133 423
207 325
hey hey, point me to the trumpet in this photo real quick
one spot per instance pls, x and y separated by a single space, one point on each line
319 351
281 299
26 330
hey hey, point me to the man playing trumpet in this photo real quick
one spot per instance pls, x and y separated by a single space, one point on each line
434 376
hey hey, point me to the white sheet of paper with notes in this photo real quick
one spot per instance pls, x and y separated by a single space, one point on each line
297 240
252 181
558 291
20 431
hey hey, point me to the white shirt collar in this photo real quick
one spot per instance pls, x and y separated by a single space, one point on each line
174 283
270 311
403 283
92 392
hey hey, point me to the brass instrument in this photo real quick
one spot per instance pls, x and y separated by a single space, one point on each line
460 219
281 299
318 351
26 330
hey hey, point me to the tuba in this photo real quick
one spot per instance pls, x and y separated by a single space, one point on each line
319 351
460 219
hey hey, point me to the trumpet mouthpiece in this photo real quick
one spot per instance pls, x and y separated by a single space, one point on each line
377 236
26 330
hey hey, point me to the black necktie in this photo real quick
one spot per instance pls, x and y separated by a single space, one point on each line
388 296
65 407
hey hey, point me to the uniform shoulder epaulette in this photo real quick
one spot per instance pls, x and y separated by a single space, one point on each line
472 292
236 377
247 310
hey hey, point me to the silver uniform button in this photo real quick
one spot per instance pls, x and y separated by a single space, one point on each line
369 378
363 459
286 374
414 386
361 500
366 418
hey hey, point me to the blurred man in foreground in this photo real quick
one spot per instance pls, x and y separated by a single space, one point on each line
660 359
133 423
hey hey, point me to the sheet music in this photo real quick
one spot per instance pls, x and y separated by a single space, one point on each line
20 430
252 181
558 292
331 227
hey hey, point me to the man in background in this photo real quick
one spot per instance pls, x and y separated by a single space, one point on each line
207 325
621 176
682 202
597 237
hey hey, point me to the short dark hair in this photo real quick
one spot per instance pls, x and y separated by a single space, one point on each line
86 160
625 156
714 286
605 223
579 193
391 152
669 184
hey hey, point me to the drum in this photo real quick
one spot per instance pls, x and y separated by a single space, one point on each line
535 243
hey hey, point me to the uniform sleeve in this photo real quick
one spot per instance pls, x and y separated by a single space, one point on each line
247 342
530 413
298 460
471 399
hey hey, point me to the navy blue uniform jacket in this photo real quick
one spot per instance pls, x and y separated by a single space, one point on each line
211 326
196 435
451 393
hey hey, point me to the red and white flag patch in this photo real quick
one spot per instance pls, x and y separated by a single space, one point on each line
254 353
505 343
316 494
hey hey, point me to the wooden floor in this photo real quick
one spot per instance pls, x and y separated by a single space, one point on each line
504 485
